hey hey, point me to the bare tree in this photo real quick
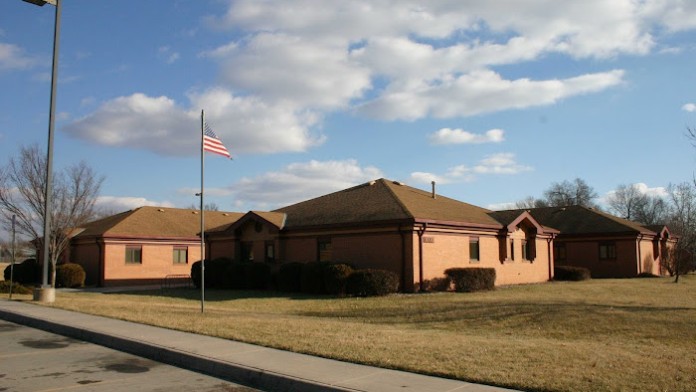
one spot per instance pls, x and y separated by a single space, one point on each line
629 202
683 223
568 193
531 202
22 193
212 206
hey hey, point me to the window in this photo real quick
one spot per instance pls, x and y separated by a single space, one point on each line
270 251
324 247
607 251
474 249
247 251
560 251
512 249
527 252
180 255
134 254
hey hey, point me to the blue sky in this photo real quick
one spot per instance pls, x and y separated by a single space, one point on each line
495 100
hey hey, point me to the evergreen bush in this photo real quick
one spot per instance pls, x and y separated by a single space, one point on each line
257 275
335 277
70 275
289 277
235 275
437 284
570 273
472 279
196 274
312 278
372 282
27 272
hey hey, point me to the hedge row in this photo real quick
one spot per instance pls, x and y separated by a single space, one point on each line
563 272
225 273
29 272
310 278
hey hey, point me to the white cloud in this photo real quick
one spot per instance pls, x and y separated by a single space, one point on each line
689 107
501 206
13 57
427 178
159 124
501 163
307 73
480 92
292 63
459 136
411 60
124 203
167 55
301 181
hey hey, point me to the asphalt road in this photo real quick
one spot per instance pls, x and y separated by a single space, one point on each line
34 360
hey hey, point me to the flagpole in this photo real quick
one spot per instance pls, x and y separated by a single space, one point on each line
202 214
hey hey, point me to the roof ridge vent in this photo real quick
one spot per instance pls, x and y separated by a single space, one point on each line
398 183
373 182
160 209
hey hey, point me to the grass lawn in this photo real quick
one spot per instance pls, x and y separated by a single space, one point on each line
629 335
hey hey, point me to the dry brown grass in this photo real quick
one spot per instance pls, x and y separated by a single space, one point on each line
633 334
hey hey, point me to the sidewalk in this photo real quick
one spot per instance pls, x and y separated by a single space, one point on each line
255 366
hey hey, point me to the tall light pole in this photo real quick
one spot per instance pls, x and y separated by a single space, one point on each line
47 293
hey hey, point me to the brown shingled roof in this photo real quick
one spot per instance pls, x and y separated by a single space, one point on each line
580 220
157 222
381 201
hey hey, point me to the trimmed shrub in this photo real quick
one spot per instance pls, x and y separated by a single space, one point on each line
235 275
647 275
215 272
437 284
70 275
569 273
312 278
26 272
289 277
372 282
472 279
335 277
196 274
16 288
257 275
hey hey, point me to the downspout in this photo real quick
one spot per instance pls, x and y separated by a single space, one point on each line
421 231
101 267
550 255
403 258
640 256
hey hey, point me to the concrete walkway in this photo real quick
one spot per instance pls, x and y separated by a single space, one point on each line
255 366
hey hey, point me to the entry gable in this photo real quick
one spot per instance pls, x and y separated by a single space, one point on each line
274 220
514 219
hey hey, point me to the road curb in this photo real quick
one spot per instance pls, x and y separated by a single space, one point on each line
230 371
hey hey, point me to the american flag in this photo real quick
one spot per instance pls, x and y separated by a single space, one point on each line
212 143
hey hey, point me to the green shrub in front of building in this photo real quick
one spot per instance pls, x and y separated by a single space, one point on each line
570 273
472 279
27 272
335 278
372 282
289 277
70 275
